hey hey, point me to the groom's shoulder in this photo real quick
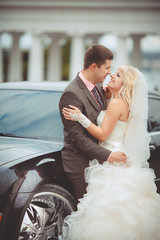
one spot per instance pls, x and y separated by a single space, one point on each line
73 85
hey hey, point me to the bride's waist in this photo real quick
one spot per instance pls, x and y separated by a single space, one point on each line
112 145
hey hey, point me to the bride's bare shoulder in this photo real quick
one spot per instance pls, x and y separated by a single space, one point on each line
116 102
117 105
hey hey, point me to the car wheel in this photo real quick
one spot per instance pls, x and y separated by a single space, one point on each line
45 214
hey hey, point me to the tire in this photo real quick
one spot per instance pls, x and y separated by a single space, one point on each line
46 212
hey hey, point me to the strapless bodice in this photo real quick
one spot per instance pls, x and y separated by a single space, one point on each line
115 141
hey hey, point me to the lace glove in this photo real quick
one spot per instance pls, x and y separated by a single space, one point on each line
81 118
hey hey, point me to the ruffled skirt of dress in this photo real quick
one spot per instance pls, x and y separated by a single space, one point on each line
120 204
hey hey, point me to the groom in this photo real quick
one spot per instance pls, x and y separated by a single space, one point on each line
79 145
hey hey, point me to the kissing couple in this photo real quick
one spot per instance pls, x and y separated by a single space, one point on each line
105 153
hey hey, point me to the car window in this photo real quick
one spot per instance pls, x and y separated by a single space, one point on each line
30 113
154 114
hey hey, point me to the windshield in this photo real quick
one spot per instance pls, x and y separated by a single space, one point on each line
33 114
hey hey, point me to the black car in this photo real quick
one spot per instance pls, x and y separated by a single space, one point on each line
154 131
35 195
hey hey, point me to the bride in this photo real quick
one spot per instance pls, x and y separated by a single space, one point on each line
121 202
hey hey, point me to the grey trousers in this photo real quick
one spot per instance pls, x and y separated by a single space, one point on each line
78 183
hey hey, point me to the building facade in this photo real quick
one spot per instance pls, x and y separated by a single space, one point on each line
75 20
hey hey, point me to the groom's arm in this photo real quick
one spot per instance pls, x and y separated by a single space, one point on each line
78 135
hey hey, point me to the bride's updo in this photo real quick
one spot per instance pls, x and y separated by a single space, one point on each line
130 75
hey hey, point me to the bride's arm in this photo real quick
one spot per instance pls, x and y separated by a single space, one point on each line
112 115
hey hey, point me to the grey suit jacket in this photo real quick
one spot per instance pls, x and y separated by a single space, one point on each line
79 145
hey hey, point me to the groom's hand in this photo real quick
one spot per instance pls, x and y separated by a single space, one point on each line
117 157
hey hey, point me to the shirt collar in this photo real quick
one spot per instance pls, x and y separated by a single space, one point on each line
88 84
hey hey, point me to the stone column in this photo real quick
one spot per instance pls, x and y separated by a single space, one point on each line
36 59
54 72
1 62
76 55
136 54
94 37
122 57
15 60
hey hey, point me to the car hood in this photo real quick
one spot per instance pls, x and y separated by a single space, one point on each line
15 150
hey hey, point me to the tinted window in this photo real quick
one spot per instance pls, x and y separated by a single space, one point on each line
30 113
154 114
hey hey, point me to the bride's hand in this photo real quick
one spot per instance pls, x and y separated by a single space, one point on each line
107 92
69 113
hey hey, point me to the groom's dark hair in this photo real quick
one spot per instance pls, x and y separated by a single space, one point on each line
97 54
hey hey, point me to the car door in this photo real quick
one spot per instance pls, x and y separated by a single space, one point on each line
154 131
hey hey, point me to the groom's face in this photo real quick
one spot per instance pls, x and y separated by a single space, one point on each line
102 71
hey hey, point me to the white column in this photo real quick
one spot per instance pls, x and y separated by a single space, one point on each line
1 62
94 37
15 60
54 72
36 59
122 57
136 55
76 55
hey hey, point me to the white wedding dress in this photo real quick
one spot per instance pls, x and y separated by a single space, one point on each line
121 202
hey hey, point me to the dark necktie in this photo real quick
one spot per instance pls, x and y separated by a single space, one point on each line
95 93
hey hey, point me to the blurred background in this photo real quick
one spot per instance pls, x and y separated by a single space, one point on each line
46 40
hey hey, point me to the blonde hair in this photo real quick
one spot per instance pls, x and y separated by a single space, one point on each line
130 75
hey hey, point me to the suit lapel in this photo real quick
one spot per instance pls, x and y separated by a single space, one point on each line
88 93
